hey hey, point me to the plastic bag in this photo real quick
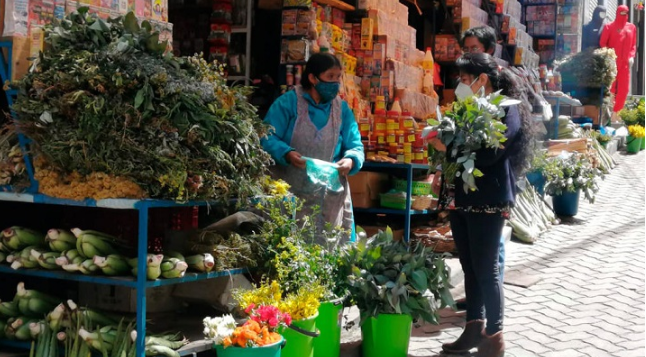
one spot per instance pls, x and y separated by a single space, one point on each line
323 173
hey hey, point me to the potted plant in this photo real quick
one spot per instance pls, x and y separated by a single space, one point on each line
603 139
635 139
394 284
295 261
535 174
301 305
567 176
257 337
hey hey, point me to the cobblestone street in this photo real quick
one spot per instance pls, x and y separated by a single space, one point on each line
590 299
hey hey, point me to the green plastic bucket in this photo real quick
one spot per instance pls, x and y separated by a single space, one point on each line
272 350
387 335
643 144
300 339
633 145
328 344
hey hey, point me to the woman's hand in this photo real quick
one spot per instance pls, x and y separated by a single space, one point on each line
437 183
437 144
295 159
345 165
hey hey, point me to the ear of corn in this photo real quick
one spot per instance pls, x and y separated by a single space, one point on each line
16 238
88 267
158 350
46 260
9 309
60 240
201 262
173 268
112 264
174 254
55 317
153 266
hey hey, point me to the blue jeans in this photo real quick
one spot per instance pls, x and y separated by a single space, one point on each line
501 259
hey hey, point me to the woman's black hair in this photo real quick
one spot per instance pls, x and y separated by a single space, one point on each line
317 64
510 85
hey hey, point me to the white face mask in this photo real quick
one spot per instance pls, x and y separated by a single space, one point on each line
463 91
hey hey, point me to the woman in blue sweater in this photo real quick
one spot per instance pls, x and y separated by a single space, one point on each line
479 216
312 121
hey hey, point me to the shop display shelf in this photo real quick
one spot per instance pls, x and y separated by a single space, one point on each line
557 102
188 350
129 282
401 167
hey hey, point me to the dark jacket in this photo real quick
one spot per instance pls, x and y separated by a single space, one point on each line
592 30
497 186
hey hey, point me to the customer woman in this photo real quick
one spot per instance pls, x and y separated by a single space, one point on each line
312 121
479 216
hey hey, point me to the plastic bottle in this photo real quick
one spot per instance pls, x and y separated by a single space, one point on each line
324 44
396 107
428 62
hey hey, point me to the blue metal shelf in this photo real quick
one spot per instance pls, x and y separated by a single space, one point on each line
182 351
118 280
112 203
385 165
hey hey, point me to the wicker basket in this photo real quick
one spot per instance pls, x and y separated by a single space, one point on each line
437 238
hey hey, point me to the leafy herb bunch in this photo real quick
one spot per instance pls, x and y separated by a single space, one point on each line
633 112
391 277
105 97
293 258
570 172
470 125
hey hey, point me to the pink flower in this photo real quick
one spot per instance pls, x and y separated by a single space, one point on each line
273 322
249 309
287 319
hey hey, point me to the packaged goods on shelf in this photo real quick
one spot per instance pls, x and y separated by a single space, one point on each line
447 48
471 22
393 7
297 3
365 188
387 24
294 51
513 8
540 20
420 105
406 76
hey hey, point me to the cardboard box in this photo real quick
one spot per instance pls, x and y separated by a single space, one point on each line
367 26
398 234
365 188
123 299
592 112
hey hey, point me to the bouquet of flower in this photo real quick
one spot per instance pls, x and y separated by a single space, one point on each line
258 331
569 172
300 305
636 131
472 124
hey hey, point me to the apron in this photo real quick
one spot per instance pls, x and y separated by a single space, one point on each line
334 208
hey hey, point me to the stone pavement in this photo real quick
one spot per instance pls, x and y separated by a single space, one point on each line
590 299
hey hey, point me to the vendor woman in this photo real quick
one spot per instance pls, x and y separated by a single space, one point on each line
312 121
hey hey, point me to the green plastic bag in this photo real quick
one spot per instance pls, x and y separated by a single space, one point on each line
323 173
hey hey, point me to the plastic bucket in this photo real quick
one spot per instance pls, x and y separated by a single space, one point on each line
388 335
633 145
643 144
566 204
300 339
537 180
329 321
272 350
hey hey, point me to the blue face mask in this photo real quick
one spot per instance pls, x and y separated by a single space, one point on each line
327 90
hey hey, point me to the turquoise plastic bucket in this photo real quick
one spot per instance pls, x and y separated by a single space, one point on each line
566 204
272 350
537 180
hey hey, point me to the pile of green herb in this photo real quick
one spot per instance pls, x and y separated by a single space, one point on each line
633 112
590 68
104 97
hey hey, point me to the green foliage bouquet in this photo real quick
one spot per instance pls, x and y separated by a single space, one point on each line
470 125
389 278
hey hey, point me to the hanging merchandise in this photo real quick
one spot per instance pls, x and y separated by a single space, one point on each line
220 34
222 12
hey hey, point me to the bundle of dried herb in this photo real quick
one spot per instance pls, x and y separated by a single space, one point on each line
590 68
105 98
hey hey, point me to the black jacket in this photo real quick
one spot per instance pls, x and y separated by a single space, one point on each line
497 186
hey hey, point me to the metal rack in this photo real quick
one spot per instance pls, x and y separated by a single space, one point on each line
246 77
407 213
140 283
143 207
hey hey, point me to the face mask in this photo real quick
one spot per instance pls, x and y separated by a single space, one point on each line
327 90
463 91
